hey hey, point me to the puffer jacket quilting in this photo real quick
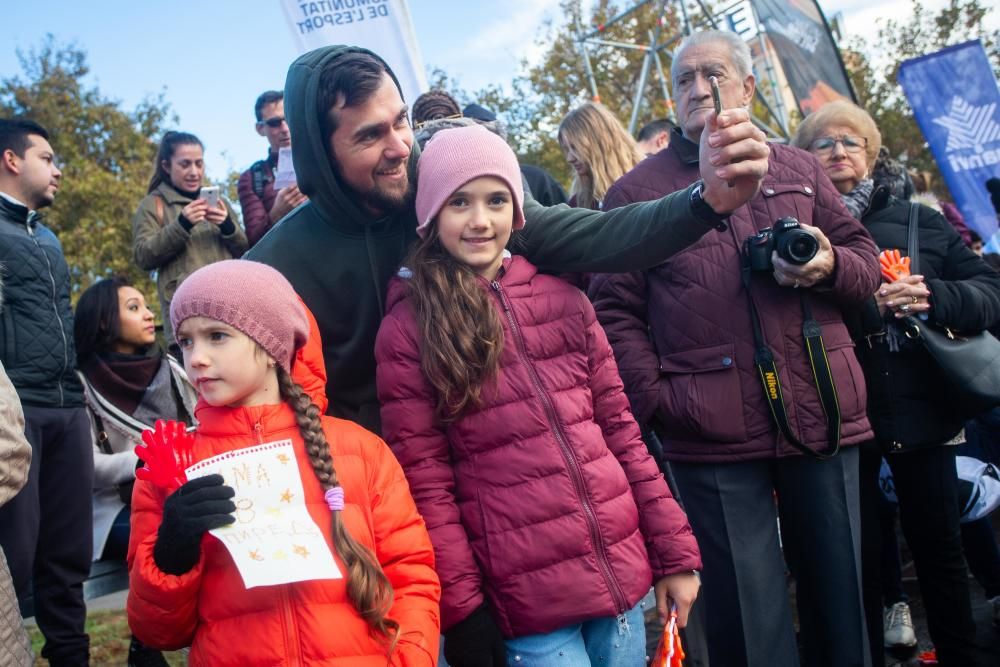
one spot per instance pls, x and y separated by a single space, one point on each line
543 500
307 623
682 330
36 336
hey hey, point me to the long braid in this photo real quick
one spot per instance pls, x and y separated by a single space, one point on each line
367 586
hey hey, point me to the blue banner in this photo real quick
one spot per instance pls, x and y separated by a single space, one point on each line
956 103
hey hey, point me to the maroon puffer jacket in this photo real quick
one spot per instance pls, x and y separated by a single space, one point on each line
256 207
544 499
682 331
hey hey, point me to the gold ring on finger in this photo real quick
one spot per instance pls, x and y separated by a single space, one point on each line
914 297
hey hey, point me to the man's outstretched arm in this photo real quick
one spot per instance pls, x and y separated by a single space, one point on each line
639 236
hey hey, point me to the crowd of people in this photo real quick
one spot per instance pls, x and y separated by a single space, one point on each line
512 420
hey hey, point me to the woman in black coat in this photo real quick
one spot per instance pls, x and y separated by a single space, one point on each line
915 418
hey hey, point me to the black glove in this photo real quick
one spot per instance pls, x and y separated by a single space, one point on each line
200 505
475 642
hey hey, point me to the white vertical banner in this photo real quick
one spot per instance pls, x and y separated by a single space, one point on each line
382 26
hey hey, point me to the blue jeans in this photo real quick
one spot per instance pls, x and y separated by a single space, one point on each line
614 641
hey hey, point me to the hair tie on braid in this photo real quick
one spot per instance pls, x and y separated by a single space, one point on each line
368 587
335 498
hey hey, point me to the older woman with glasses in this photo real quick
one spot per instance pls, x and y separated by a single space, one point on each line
915 420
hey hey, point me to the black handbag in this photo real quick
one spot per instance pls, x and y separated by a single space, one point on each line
970 362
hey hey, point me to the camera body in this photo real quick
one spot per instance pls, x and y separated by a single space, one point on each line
792 243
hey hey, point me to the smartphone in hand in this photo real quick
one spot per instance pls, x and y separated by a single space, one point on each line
211 195
716 97
717 100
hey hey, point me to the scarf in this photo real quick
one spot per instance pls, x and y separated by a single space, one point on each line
122 378
857 200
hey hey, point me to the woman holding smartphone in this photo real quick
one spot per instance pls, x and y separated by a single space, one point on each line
181 226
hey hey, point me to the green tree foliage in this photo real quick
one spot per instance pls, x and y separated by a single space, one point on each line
874 69
106 157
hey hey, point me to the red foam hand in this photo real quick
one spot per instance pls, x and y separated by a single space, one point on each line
893 265
165 454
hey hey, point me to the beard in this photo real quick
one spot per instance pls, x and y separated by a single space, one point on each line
387 201
379 200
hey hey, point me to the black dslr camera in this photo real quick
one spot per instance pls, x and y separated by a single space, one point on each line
792 243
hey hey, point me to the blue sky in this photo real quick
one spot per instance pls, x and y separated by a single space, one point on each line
212 58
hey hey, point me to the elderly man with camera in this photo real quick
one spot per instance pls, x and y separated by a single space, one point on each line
735 353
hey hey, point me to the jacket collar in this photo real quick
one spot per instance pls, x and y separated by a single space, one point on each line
879 200
226 422
15 210
685 149
171 195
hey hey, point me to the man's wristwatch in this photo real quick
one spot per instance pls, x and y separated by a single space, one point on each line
703 211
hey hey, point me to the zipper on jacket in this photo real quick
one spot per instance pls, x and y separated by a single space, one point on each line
572 463
291 629
55 309
289 626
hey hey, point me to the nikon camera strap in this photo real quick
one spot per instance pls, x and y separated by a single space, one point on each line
818 362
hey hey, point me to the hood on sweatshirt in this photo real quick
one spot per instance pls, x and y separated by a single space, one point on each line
311 155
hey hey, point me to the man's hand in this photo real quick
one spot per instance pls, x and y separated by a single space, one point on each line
907 296
732 160
216 215
287 199
682 589
815 271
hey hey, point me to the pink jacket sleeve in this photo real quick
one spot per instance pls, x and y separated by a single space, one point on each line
421 446
669 539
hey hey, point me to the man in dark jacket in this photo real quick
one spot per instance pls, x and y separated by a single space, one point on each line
683 334
262 205
46 529
357 163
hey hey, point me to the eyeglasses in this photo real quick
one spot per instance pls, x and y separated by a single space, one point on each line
851 144
274 122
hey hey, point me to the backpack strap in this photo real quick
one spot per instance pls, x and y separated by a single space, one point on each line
260 174
158 201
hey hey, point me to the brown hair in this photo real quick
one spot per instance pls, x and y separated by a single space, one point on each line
165 153
367 586
597 138
460 330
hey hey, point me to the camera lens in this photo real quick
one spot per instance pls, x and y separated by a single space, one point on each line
797 246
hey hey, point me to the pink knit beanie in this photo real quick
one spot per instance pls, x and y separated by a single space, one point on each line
249 296
454 157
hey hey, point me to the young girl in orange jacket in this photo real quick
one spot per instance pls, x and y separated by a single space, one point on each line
239 324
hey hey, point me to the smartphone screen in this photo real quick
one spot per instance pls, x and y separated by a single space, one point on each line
714 82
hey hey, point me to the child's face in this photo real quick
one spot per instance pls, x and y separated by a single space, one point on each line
225 366
475 224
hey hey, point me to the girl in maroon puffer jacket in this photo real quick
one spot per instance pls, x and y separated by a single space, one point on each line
501 399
